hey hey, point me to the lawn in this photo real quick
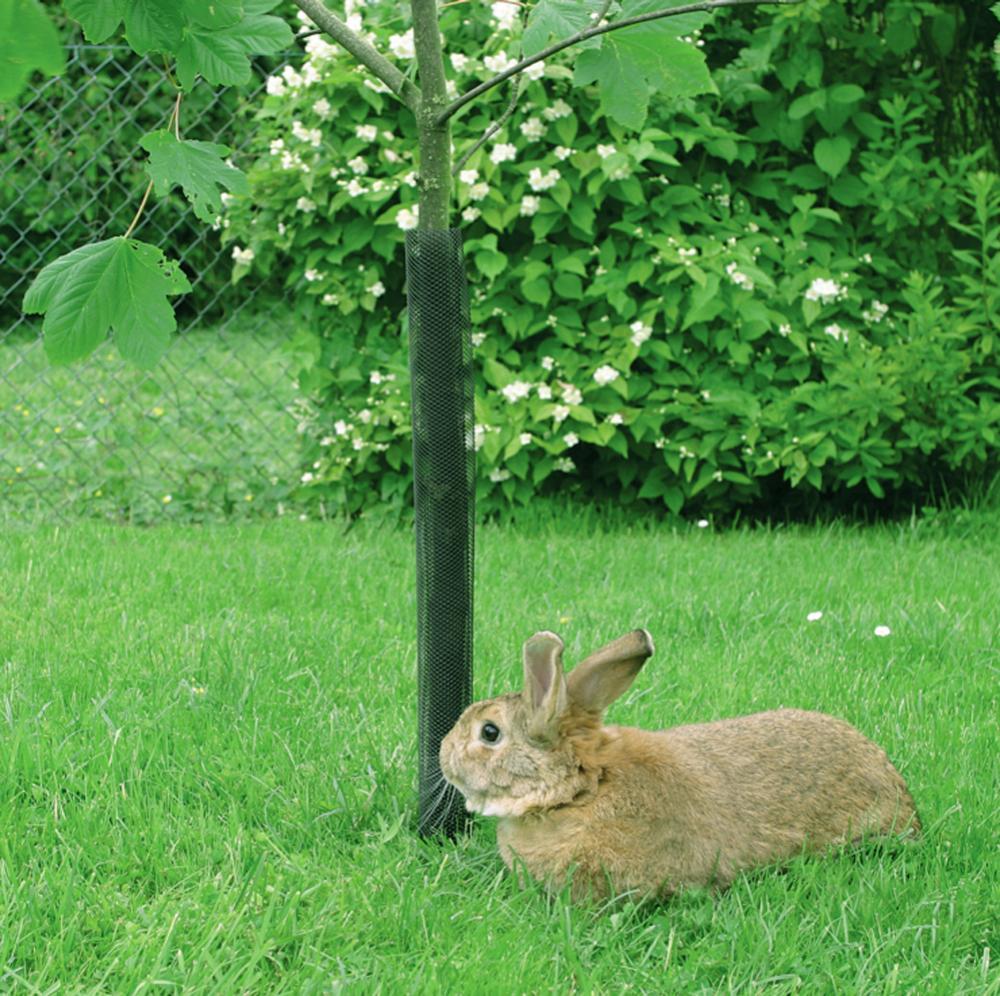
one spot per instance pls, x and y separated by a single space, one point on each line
207 758
208 432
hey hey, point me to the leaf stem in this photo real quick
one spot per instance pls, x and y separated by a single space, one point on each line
493 128
174 121
599 29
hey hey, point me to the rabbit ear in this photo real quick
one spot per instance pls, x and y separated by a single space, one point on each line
607 673
544 685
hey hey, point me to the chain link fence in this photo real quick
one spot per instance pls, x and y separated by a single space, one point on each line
210 431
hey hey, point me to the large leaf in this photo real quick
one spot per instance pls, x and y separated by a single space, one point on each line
197 167
221 56
154 25
28 42
214 14
553 20
635 62
99 18
119 283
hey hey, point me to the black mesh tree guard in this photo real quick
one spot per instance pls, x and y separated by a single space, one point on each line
444 492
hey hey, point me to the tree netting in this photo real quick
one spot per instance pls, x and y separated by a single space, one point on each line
444 493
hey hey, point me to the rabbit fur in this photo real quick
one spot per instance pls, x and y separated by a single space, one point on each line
620 810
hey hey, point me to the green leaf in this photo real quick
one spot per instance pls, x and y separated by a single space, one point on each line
212 55
28 42
99 18
635 62
196 167
119 284
554 20
214 14
153 25
832 154
806 104
221 56
845 93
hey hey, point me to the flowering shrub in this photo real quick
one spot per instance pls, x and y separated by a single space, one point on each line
772 291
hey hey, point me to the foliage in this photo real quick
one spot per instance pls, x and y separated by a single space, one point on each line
778 290
214 42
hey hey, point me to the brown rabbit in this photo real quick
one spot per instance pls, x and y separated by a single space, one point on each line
632 811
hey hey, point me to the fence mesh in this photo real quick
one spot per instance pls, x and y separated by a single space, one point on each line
210 431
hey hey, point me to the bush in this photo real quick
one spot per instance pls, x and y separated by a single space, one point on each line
779 293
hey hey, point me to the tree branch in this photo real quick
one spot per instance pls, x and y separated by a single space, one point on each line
599 29
369 57
515 87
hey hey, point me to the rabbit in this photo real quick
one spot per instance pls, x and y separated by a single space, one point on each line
616 810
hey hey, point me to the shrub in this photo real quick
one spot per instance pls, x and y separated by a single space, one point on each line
779 292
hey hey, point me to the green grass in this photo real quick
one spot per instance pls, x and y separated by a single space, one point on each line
207 432
207 759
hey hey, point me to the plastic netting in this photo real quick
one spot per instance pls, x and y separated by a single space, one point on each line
444 463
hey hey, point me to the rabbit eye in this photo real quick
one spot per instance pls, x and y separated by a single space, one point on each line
490 733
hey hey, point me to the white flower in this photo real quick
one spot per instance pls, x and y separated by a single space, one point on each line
358 165
535 71
469 176
458 61
503 152
545 392
562 152
571 439
307 477
505 14
312 276
377 289
606 150
499 63
605 375
365 415
836 332
539 181
882 631
358 443
556 110
640 332
329 299
341 428
367 133
407 219
529 205
311 135
572 395
825 291
470 213
275 86
524 439
532 129
244 256
548 362
814 616
479 190
305 204
560 413
616 418
401 46
702 523
322 109
739 278
565 464
785 330
410 179
516 390
321 50
292 77
499 475
875 313
376 377
277 146
478 338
